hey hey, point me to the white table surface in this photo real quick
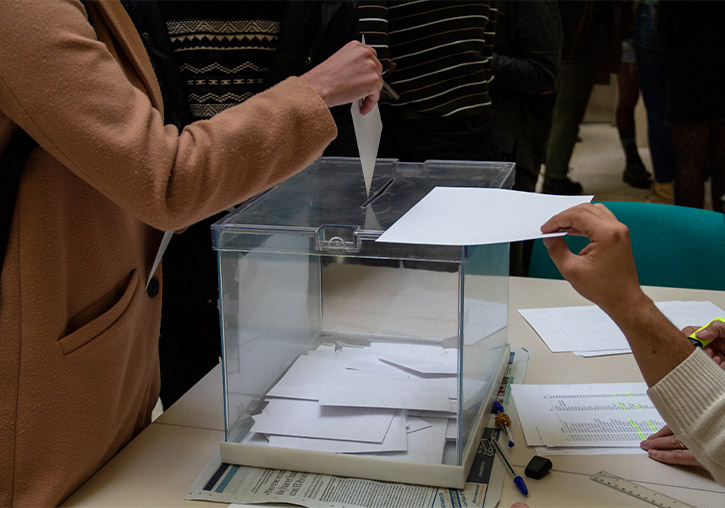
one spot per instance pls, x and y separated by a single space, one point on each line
158 467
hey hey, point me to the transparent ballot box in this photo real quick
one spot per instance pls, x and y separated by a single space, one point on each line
347 356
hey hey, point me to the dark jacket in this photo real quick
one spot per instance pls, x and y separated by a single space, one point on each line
594 29
310 31
693 39
525 67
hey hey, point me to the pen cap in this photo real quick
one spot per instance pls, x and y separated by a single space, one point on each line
521 485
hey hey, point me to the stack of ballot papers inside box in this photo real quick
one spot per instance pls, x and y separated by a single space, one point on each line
600 418
386 399
588 331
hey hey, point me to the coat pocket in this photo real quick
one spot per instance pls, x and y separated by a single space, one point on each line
97 326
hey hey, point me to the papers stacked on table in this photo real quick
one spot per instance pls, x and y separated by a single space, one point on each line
387 399
601 418
588 331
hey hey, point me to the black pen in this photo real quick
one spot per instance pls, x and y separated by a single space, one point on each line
518 481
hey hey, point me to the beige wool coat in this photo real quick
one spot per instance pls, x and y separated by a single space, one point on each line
78 331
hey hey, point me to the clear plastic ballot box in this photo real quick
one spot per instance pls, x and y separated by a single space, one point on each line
347 356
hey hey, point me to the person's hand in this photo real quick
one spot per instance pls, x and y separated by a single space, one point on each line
352 73
715 332
663 446
604 270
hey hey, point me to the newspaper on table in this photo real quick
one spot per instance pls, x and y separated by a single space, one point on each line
229 483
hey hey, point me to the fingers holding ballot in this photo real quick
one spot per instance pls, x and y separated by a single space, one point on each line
352 73
604 271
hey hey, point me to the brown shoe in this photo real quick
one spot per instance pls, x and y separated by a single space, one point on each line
662 193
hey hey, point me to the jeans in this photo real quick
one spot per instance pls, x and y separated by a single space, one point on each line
576 79
652 71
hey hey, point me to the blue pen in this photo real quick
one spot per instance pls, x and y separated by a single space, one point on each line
498 408
518 481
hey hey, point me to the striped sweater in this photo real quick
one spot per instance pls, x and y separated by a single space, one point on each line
436 55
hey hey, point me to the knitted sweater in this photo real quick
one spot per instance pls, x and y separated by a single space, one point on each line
691 399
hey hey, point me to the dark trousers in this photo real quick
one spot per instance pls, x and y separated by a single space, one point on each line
190 340
652 72
576 79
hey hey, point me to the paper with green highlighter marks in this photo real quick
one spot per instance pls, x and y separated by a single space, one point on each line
704 342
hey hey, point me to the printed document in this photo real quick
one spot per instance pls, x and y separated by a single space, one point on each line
587 415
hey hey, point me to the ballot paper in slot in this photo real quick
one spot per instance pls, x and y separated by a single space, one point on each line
321 321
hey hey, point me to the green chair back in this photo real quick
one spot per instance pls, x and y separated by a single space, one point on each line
673 246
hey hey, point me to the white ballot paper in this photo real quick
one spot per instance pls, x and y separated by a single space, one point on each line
168 235
367 131
478 216
304 418
361 390
395 441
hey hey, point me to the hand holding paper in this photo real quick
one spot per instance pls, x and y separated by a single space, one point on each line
352 73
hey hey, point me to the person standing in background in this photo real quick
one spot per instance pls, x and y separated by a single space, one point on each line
211 56
693 38
526 60
436 57
652 76
591 51
635 174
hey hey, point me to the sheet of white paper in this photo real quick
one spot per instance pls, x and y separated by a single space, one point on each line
602 352
302 380
565 450
482 318
477 216
415 424
256 439
452 430
426 445
590 332
586 415
356 389
305 418
421 358
395 441
426 415
168 235
367 132
690 313
359 360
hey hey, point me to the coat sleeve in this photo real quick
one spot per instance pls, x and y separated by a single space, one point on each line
70 92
